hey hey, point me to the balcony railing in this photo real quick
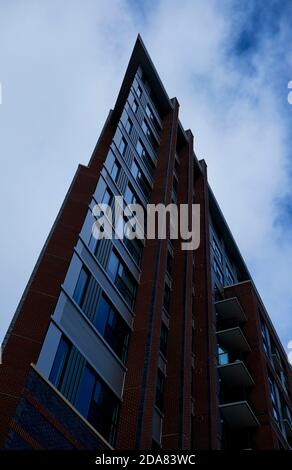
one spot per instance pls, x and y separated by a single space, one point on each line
233 339
230 309
239 415
234 374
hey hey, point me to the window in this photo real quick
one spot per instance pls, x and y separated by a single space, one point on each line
129 126
122 146
274 400
129 195
169 263
145 157
229 276
163 338
135 247
166 297
141 180
81 286
122 278
139 91
176 165
112 327
159 390
134 106
175 185
218 271
115 170
97 403
61 359
148 133
152 118
223 356
217 251
265 337
106 198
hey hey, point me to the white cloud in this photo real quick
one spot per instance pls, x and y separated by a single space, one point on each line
61 65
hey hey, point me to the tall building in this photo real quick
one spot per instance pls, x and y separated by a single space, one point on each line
128 344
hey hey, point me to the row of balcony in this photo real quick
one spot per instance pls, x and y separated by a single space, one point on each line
233 372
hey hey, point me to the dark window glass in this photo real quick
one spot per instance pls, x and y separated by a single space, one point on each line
218 271
129 126
139 91
134 106
163 338
149 134
175 185
135 247
112 327
141 180
166 297
176 165
122 278
97 403
85 391
152 118
159 390
129 196
217 251
122 146
106 198
169 263
81 286
60 361
145 157
229 277
115 170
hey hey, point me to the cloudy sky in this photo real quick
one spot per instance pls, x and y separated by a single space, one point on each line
227 61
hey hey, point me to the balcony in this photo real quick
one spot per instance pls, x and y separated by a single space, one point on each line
233 339
239 415
288 427
230 309
235 374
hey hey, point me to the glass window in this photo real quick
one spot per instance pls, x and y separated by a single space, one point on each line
145 157
122 278
149 134
85 391
218 271
169 263
61 358
141 180
139 91
135 247
97 403
81 286
223 357
129 126
115 170
159 390
229 276
112 327
163 338
266 337
166 297
113 265
217 251
134 106
123 146
152 118
129 195
106 198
